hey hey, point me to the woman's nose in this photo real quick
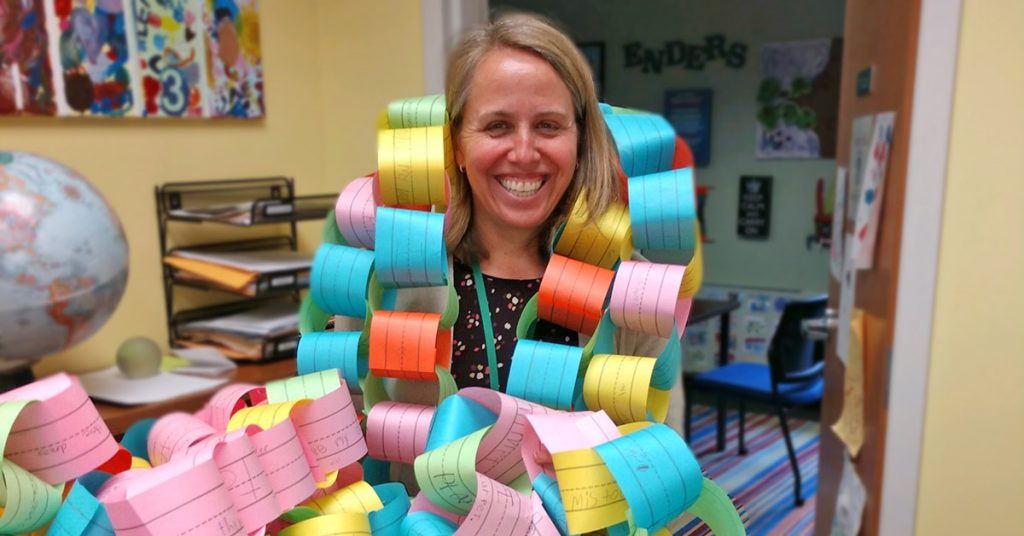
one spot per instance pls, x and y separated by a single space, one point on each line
524 147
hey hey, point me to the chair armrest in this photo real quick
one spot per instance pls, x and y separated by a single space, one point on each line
807 374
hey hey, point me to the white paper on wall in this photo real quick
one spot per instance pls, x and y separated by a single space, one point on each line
849 502
860 144
869 203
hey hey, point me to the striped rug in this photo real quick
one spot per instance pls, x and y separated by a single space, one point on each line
760 483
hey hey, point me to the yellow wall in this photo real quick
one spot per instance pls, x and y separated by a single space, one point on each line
327 73
972 467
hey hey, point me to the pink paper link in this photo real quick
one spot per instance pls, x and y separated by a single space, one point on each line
356 212
229 399
499 454
173 434
61 437
397 432
184 496
644 297
283 459
329 428
498 510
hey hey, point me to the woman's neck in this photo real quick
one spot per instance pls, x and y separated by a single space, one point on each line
511 253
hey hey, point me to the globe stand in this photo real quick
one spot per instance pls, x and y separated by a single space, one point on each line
14 374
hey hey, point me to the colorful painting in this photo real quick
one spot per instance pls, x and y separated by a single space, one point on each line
26 77
235 62
798 100
91 40
171 57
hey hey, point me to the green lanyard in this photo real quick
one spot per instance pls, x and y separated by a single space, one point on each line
485 319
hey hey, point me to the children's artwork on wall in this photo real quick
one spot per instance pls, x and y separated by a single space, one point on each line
236 63
172 60
89 41
798 100
26 75
139 58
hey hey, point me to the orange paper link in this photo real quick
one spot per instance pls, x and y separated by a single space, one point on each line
572 294
408 345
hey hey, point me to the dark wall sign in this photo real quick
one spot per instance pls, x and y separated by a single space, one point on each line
755 210
689 112
692 56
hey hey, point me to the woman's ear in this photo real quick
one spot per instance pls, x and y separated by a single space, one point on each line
460 158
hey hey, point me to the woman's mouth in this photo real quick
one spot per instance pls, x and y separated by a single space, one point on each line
521 188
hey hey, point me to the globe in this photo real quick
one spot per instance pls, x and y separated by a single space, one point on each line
63 258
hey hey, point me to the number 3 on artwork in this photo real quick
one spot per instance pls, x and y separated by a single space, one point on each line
174 97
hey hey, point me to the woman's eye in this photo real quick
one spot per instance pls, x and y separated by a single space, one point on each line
496 126
548 126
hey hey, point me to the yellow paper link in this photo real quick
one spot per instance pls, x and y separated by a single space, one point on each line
631 427
621 386
447 475
140 463
263 416
590 495
411 166
312 385
601 243
29 503
359 497
382 121
657 404
426 111
694 274
333 524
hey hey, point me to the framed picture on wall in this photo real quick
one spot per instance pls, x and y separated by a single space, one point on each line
594 53
689 112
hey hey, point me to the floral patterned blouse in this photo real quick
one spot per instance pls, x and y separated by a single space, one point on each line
506 299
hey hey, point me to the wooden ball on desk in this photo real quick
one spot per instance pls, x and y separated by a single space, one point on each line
139 357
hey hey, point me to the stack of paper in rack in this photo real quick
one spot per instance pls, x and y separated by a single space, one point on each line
238 271
241 335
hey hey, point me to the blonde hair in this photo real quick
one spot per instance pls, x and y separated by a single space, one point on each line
596 174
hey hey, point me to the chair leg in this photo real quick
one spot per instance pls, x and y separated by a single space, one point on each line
743 419
720 425
797 496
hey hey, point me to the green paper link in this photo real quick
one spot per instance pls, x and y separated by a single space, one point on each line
445 384
330 234
716 509
528 319
311 317
373 392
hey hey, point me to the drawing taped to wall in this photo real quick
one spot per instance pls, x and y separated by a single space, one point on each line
798 99
118 58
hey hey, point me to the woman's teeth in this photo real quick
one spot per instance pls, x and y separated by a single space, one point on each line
521 188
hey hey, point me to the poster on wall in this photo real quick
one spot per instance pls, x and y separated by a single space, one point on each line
689 112
798 99
594 54
89 41
755 208
872 188
26 74
121 58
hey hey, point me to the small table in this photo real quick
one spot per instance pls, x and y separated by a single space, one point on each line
701 311
119 418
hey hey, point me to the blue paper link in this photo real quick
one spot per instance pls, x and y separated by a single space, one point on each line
662 210
410 248
82 514
376 471
455 417
426 524
646 142
547 488
544 373
666 368
338 279
332 350
136 436
657 473
388 520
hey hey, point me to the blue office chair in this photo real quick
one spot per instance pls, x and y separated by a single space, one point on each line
792 377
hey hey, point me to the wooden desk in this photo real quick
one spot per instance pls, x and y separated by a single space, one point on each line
119 418
702 311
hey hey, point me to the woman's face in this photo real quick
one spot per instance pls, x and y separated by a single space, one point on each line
517 141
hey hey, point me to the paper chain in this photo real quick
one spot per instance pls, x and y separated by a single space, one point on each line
291 457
